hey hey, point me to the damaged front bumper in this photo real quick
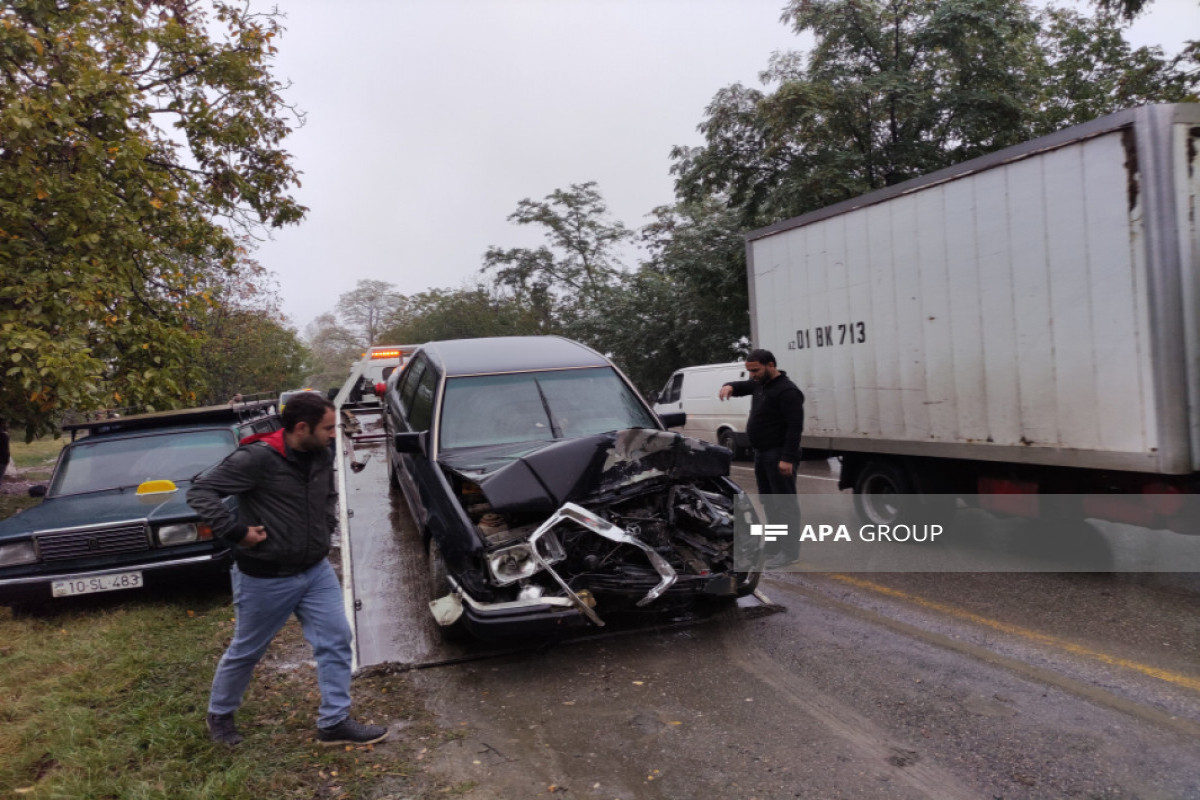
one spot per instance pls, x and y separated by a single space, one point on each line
538 554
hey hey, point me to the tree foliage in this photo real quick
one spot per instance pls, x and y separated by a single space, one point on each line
897 89
249 347
333 350
137 137
578 262
462 314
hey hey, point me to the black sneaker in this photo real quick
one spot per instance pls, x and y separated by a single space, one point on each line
350 732
221 729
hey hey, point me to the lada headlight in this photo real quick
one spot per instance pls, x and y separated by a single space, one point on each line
18 553
179 533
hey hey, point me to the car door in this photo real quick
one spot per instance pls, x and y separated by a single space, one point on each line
413 406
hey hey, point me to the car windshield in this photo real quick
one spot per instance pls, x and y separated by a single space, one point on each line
534 406
110 463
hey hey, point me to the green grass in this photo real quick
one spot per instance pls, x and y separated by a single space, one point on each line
104 697
108 702
40 453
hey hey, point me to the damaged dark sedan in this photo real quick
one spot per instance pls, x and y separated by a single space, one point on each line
548 493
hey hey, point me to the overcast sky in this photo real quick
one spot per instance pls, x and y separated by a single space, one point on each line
428 120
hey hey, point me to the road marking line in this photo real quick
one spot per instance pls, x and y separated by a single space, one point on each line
1049 677
1186 681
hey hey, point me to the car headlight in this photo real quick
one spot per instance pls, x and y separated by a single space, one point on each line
180 533
511 564
19 553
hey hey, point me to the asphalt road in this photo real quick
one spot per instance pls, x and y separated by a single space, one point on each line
842 686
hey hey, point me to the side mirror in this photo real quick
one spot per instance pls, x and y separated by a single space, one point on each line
410 442
652 398
37 491
675 419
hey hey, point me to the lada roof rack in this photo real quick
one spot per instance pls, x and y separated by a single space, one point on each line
234 411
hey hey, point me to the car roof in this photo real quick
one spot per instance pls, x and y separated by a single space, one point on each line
502 354
230 414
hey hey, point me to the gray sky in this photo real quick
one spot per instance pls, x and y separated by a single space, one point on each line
428 120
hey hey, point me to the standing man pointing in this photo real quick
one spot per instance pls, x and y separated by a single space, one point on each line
280 538
774 428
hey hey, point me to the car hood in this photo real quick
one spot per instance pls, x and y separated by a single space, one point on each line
541 477
99 508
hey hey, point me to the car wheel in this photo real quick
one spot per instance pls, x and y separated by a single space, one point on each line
884 494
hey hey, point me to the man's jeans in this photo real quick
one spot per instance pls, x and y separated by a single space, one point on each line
263 606
777 493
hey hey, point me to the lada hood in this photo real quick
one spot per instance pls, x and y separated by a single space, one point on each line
99 508
541 477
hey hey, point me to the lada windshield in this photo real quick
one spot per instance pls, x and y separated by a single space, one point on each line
111 463
534 406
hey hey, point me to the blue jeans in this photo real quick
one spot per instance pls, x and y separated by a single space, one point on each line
263 606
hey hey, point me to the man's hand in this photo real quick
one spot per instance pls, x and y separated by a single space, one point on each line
786 469
726 392
254 535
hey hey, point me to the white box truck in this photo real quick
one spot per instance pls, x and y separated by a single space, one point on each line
1020 325
693 390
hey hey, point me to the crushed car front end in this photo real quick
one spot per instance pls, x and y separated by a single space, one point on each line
576 532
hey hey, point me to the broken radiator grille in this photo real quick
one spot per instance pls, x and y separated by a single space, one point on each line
89 542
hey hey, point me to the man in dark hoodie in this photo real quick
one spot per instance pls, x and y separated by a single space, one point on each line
283 482
774 428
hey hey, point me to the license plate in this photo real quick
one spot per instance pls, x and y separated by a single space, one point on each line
98 583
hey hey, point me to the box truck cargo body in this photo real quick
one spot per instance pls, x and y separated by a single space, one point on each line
1028 321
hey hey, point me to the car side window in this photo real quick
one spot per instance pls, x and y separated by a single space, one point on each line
408 383
420 414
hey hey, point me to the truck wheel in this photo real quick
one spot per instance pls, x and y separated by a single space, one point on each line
884 494
727 440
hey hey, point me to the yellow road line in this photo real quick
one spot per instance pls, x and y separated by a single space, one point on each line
1186 681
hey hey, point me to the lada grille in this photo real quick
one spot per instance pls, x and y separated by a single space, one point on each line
89 542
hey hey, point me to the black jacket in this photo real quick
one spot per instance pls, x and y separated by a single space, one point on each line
776 415
290 494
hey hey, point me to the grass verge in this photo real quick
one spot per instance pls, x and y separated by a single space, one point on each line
104 697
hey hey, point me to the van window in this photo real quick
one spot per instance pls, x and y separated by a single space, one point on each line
671 392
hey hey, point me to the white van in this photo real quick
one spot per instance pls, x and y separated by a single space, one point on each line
693 390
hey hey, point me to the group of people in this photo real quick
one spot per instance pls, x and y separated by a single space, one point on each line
280 538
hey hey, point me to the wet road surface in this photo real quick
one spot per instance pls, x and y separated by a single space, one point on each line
883 685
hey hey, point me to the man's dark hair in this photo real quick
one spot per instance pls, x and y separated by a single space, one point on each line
307 407
763 357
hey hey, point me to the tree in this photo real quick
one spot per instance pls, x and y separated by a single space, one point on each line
369 308
1091 71
333 350
137 139
461 314
577 264
249 347
898 89
687 304
890 91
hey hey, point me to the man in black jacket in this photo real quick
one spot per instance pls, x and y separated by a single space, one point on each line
280 539
774 427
